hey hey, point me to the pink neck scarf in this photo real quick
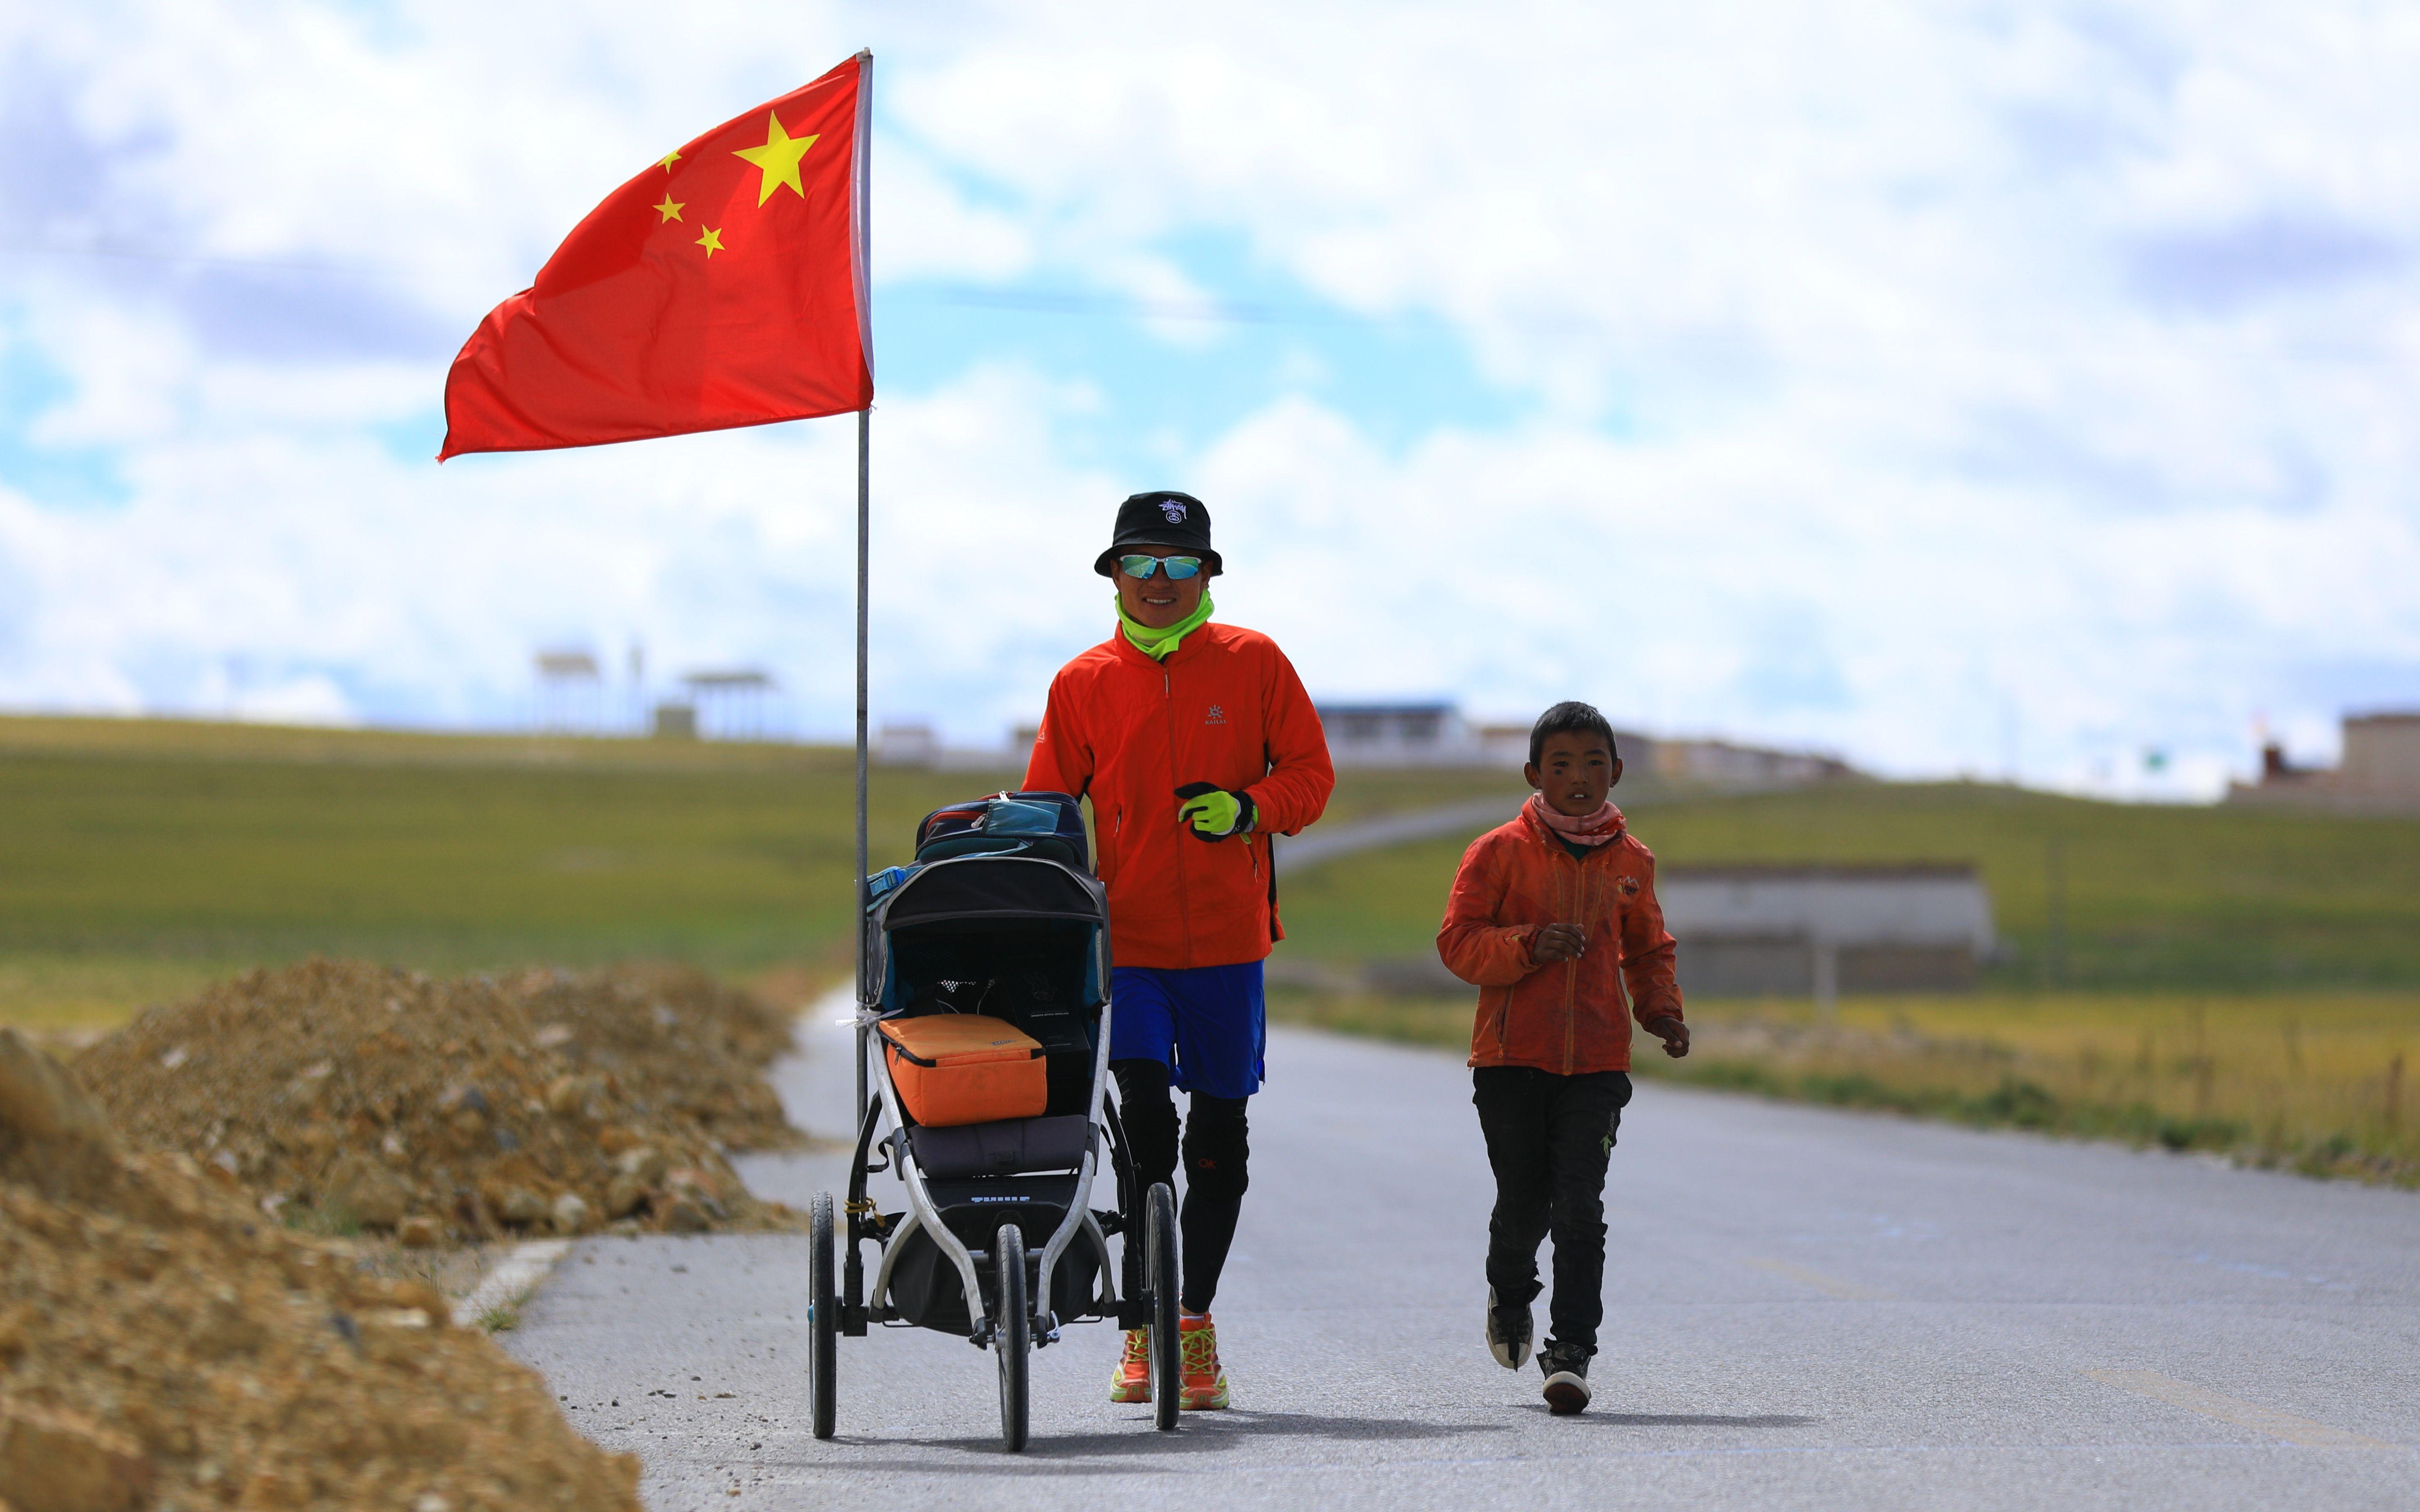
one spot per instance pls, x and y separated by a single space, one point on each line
1587 829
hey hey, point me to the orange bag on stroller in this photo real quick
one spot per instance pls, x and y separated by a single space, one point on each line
954 1069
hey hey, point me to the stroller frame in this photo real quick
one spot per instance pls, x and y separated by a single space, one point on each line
1011 1300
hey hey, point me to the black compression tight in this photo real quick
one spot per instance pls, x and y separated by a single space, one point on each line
1215 1152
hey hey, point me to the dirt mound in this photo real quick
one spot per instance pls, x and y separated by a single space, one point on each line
698 1047
378 1099
162 1344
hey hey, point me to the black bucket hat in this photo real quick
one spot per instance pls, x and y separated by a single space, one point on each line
1163 518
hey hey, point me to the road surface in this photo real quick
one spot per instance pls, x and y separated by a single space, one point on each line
1806 1308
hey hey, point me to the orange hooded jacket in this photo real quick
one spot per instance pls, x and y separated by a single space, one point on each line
1225 707
1566 1017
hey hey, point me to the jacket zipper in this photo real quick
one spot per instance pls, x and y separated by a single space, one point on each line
1578 896
1183 908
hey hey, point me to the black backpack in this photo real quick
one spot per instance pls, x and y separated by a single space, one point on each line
1048 825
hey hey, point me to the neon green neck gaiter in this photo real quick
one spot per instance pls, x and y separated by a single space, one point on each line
1157 644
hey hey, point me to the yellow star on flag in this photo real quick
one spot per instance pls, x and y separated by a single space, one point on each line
670 210
778 159
667 161
711 241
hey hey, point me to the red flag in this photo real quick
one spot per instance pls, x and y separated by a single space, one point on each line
724 285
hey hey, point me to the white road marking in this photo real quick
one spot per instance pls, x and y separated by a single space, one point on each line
2233 1410
510 1283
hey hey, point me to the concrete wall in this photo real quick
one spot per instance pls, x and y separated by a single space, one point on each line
2381 752
1800 931
1847 906
1735 968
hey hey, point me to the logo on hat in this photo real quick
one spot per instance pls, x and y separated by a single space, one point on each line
1174 511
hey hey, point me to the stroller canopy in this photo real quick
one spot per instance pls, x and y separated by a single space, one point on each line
984 917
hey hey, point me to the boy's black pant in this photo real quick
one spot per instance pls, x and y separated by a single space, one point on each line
1548 1138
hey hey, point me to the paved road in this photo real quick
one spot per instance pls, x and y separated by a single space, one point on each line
1331 842
1806 1309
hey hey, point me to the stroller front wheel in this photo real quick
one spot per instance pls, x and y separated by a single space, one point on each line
1012 1336
1159 1263
823 1315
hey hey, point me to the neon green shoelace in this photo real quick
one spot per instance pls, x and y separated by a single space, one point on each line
1200 1350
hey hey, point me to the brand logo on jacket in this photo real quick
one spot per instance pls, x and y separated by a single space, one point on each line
1218 715
1629 886
1174 511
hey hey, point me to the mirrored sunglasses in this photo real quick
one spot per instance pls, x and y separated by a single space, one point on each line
1179 568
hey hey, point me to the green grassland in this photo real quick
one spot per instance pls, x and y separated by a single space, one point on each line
2320 1081
142 858
2158 896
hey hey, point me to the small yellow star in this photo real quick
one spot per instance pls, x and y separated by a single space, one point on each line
778 159
670 210
711 241
667 161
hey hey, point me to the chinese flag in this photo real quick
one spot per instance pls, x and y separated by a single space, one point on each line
724 285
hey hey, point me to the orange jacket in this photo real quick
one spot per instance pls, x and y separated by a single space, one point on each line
1565 1017
1128 732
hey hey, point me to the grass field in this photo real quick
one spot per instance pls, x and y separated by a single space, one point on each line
2316 1082
143 858
2154 897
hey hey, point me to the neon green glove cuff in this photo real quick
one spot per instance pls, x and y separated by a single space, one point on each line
1215 813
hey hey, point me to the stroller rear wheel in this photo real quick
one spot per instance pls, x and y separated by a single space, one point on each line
823 1317
1159 1263
1012 1336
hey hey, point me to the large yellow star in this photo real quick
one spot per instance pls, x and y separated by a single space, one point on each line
778 159
711 241
670 210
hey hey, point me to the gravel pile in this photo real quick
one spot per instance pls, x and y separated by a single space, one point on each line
352 1096
164 1346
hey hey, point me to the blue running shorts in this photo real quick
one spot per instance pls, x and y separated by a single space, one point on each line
1209 1026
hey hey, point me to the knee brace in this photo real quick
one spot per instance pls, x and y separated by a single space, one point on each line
1216 1149
1149 1117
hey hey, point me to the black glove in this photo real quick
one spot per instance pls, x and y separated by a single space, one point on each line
1213 813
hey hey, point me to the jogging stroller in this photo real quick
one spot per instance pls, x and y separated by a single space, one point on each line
985 1010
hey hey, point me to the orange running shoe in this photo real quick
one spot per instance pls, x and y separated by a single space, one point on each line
1202 1385
1132 1382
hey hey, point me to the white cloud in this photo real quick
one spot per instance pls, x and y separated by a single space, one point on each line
1892 374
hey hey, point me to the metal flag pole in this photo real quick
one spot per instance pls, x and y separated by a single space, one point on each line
864 422
861 249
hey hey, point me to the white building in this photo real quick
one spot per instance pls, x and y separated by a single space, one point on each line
2380 772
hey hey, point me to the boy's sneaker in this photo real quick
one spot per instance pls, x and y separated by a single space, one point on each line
1201 1386
1508 1333
1566 1370
1132 1382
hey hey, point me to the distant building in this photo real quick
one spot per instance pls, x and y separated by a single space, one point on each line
2380 772
1438 734
570 692
1819 930
1720 764
1402 734
918 746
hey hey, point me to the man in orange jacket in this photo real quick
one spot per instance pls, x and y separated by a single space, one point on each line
1195 742
1550 916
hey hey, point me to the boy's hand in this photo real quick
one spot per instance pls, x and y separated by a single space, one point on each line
1674 1034
1557 942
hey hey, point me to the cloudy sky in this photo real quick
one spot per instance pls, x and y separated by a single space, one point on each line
1953 386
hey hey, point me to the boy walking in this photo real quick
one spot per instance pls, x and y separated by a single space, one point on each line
1550 916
